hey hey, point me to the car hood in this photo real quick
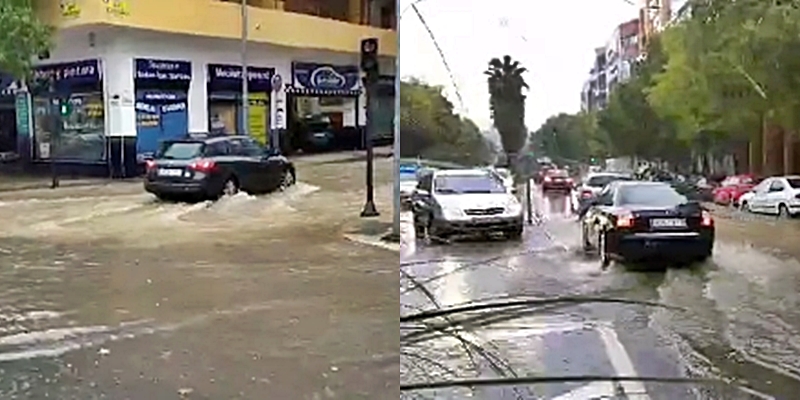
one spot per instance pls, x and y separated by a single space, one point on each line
475 201
408 186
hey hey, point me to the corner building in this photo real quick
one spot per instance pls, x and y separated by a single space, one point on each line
125 75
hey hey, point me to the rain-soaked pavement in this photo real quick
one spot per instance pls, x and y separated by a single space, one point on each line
736 320
106 293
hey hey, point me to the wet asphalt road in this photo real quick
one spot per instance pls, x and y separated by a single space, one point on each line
738 319
106 293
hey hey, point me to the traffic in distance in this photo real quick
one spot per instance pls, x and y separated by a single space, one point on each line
648 215
207 167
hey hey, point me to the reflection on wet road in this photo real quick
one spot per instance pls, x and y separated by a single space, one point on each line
738 319
107 293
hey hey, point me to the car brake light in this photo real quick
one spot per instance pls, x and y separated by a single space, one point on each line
625 221
547 179
707 219
150 165
203 165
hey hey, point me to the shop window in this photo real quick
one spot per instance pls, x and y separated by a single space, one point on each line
79 135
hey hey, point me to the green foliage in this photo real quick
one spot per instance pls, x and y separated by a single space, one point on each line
23 37
507 101
568 137
430 129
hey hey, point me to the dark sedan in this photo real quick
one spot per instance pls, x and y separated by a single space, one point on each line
210 167
643 220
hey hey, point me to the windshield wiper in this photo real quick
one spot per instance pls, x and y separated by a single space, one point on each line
447 191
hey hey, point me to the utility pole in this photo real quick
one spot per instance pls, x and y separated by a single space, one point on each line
245 95
396 144
369 64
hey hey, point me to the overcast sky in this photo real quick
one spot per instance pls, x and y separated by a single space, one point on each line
554 39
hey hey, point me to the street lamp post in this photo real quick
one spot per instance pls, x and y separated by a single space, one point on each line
245 95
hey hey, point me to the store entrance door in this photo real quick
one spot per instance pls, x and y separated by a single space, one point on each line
159 120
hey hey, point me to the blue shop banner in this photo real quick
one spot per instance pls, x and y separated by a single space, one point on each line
325 77
228 78
162 70
64 75
155 95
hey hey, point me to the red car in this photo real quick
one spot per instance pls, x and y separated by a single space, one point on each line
733 187
557 180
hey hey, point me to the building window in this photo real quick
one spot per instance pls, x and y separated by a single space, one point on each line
79 135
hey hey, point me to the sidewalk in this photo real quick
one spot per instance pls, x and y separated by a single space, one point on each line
10 183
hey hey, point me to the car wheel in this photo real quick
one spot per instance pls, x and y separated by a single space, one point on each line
515 233
230 187
586 246
745 206
419 228
287 180
783 211
602 247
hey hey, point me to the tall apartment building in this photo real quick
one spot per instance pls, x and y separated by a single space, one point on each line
613 65
134 73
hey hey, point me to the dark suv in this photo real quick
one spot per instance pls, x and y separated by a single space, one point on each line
208 167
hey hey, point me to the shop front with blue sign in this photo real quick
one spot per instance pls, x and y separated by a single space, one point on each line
68 110
225 99
162 88
324 106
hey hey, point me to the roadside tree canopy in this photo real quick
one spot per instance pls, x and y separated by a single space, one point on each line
23 37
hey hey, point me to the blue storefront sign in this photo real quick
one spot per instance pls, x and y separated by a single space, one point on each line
69 74
162 70
326 79
228 78
8 85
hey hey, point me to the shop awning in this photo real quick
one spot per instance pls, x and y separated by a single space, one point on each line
322 92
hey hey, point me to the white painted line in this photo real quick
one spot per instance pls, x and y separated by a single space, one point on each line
375 242
596 390
621 362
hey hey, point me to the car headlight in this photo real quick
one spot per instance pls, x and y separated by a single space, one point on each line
514 207
451 213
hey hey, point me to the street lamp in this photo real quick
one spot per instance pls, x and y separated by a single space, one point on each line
245 95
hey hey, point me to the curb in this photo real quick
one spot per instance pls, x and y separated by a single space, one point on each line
373 241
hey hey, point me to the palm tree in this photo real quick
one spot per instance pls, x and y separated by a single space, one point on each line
507 103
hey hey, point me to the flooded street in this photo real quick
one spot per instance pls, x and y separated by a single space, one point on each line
106 293
734 318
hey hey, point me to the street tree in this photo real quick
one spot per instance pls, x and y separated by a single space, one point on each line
24 37
430 128
507 86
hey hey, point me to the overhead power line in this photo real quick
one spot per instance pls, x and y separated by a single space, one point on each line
441 55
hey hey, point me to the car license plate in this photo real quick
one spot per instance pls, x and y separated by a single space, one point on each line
668 223
169 172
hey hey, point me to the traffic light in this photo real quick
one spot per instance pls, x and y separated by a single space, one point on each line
369 55
65 108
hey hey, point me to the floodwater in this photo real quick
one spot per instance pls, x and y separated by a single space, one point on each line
108 293
734 320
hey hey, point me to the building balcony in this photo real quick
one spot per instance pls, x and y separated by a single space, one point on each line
332 25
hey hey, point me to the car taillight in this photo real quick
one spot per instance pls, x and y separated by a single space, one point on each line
149 165
203 165
707 219
547 179
625 221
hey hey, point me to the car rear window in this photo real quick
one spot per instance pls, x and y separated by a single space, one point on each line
603 180
794 183
650 195
181 150
558 173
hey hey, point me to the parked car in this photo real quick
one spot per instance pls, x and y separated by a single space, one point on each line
778 195
732 188
213 166
639 220
557 180
466 201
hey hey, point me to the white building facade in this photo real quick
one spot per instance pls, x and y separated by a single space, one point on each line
122 91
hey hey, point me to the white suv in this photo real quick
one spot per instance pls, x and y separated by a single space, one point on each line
448 202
